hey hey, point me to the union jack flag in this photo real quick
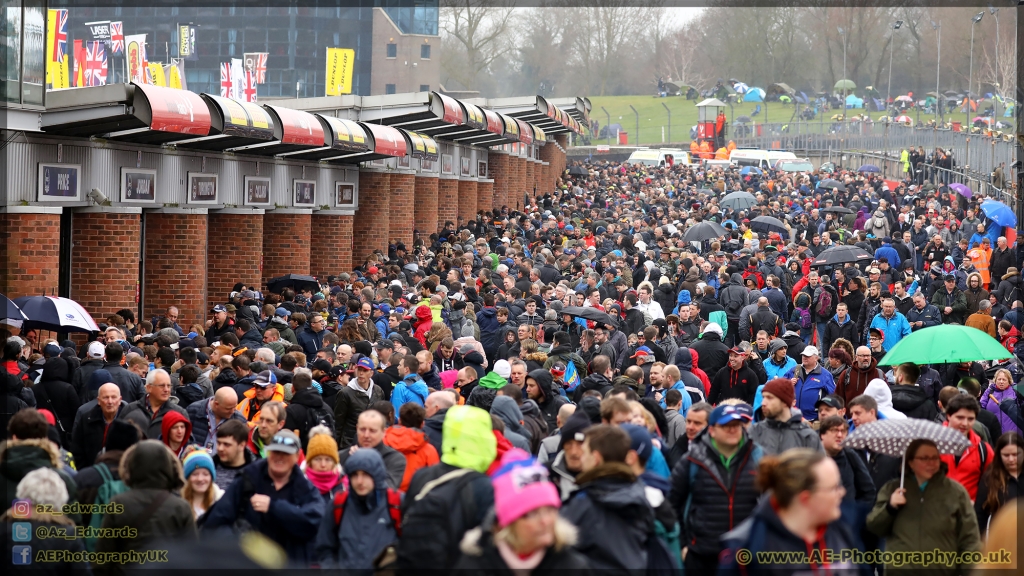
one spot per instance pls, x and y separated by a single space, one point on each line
95 64
225 79
261 67
116 37
60 36
249 92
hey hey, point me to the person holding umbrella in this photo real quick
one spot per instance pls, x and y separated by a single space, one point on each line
931 512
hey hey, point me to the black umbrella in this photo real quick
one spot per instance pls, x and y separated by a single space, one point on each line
589 314
841 255
743 120
578 171
768 224
739 200
704 231
296 281
830 184
838 210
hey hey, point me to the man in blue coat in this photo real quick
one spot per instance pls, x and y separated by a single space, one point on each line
275 498
889 252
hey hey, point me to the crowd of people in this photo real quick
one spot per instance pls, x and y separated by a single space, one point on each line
573 386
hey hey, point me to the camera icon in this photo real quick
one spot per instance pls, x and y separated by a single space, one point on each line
21 508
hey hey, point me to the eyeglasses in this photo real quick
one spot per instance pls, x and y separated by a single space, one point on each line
285 440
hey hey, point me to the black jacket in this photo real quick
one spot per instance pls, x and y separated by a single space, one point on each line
480 556
913 401
55 393
834 331
598 382
132 386
387 379
714 354
87 435
550 400
882 468
300 414
351 403
729 383
709 499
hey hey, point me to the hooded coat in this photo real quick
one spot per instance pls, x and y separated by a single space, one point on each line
486 390
550 401
714 354
879 390
170 419
913 402
366 526
412 443
855 380
19 457
598 382
54 392
152 474
142 414
776 437
506 409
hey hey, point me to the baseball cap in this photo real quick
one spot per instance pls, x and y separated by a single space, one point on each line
639 441
219 308
385 343
337 371
51 350
829 401
874 271
202 358
322 365
642 351
876 332
726 413
372 270
365 362
282 312
95 350
231 308
248 295
284 441
737 351
810 351
385 309
265 379
949 278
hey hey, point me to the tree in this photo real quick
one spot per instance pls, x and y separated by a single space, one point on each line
474 34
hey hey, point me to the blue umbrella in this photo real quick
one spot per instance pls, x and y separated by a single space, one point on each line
746 170
869 168
999 213
11 310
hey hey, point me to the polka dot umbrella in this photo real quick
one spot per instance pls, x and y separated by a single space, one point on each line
892 437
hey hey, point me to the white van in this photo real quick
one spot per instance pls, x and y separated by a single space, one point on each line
746 157
659 157
775 155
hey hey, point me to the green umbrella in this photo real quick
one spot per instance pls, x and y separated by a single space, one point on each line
845 85
945 344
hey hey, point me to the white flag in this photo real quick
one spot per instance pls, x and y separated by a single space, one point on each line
237 79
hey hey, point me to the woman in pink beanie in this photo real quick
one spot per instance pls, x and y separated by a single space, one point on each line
526 535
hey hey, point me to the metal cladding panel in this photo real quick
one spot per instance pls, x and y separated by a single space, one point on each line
172 177
232 180
23 158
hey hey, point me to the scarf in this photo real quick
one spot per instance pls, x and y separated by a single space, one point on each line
323 481
519 565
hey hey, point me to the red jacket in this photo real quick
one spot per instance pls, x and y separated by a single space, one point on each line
970 467
1010 340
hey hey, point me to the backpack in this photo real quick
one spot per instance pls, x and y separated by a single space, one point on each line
805 318
108 489
322 416
188 394
435 522
734 305
824 307
394 508
772 329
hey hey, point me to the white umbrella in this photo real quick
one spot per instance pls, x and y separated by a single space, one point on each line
56 314
893 437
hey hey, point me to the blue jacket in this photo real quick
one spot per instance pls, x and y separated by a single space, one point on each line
487 319
412 388
895 328
366 527
310 341
382 326
890 254
811 387
292 520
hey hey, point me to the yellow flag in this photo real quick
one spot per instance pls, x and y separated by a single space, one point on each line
173 78
61 77
51 23
156 70
340 67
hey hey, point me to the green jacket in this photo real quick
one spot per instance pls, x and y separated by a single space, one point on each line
942 517
957 301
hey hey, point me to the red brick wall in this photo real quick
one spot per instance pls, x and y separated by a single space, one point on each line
286 242
105 251
498 164
518 187
403 198
175 266
485 196
330 250
528 180
371 228
30 253
467 199
235 253
425 205
447 200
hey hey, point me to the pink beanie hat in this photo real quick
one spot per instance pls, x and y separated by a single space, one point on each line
521 486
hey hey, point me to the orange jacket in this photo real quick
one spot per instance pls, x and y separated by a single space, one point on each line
251 410
413 444
980 259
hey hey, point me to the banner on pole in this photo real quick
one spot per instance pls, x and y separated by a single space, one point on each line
340 67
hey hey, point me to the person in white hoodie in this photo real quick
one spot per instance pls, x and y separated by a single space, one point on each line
879 390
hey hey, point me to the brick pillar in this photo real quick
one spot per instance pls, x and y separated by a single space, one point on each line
286 242
499 166
519 188
331 251
29 252
447 199
403 198
235 251
545 176
175 265
485 195
425 205
537 173
371 228
528 181
105 254
467 200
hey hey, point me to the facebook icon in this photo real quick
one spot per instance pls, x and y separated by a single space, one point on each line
21 555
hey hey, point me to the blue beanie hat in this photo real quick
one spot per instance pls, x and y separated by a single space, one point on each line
199 459
684 297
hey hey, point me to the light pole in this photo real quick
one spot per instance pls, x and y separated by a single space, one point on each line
970 71
888 89
938 95
843 34
995 14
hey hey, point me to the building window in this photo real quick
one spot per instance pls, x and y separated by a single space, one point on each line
389 88
425 51
424 87
392 50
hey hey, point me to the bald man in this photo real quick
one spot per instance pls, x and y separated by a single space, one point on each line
207 415
91 424
437 405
